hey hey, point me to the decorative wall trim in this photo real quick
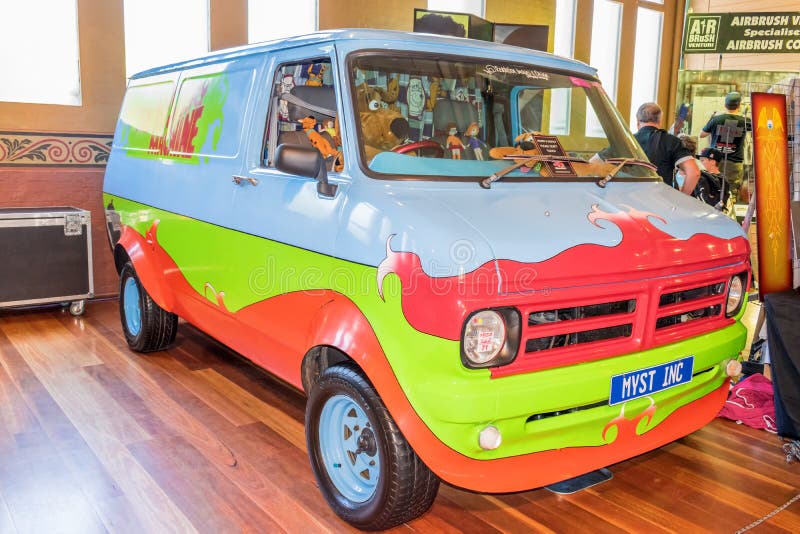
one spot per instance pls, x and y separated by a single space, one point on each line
41 149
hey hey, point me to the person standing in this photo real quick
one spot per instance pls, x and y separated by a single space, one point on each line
690 143
727 131
711 188
664 150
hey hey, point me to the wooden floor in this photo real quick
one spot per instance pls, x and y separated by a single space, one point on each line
95 438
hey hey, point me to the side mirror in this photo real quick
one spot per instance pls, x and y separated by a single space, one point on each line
304 161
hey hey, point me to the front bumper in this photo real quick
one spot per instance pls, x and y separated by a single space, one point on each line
557 423
518 473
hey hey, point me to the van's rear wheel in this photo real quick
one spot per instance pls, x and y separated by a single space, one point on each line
365 468
146 325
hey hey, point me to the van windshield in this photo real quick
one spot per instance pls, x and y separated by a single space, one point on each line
421 115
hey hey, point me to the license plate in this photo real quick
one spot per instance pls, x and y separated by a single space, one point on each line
643 382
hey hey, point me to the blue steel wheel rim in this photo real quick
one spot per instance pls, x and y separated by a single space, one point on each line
349 448
133 312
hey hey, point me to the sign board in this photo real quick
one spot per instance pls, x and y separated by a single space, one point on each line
742 33
771 165
549 145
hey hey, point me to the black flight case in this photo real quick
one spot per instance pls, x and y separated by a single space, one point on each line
46 257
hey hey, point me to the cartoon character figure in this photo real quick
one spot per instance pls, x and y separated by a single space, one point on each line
454 143
415 96
437 91
382 129
460 94
390 94
472 140
525 140
523 145
309 124
286 86
315 72
370 98
329 126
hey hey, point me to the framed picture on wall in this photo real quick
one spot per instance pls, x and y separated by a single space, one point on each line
455 24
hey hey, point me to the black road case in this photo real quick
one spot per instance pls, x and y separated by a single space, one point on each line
45 256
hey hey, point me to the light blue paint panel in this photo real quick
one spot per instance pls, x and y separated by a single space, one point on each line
525 221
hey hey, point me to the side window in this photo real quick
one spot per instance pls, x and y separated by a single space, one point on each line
209 109
143 117
303 111
529 103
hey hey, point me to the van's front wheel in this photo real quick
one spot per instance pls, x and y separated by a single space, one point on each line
365 468
146 325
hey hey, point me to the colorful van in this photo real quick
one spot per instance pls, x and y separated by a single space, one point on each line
455 248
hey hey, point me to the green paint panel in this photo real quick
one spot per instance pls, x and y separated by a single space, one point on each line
455 402
198 117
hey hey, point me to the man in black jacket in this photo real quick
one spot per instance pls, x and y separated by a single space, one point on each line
665 150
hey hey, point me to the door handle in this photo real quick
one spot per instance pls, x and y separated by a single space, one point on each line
239 179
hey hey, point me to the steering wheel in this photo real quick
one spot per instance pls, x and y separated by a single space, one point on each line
421 146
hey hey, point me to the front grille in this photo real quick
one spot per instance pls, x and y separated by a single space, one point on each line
548 415
689 305
681 318
574 328
691 294
575 338
574 325
581 312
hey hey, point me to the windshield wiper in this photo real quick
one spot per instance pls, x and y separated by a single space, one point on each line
622 162
526 161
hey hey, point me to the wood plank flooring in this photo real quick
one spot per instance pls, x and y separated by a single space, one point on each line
95 438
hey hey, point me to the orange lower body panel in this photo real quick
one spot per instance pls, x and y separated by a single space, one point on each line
351 333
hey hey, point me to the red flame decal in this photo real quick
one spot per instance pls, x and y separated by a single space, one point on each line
438 305
626 428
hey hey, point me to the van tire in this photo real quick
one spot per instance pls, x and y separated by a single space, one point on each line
403 488
146 325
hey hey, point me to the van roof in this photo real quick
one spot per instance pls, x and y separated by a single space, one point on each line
384 36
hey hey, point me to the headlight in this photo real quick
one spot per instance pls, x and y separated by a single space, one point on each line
490 338
736 294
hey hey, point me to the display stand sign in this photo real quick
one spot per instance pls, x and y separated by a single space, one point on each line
770 159
742 33
549 145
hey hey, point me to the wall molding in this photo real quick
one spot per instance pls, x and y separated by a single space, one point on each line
46 149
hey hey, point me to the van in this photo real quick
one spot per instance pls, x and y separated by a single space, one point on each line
415 231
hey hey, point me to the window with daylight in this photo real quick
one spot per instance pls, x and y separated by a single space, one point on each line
646 59
159 32
563 45
39 61
629 43
264 23
605 54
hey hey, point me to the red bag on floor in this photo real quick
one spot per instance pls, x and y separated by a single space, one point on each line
750 402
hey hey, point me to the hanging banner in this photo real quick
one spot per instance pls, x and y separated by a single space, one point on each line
742 33
771 165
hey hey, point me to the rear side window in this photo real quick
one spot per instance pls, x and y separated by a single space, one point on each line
205 120
208 115
143 117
